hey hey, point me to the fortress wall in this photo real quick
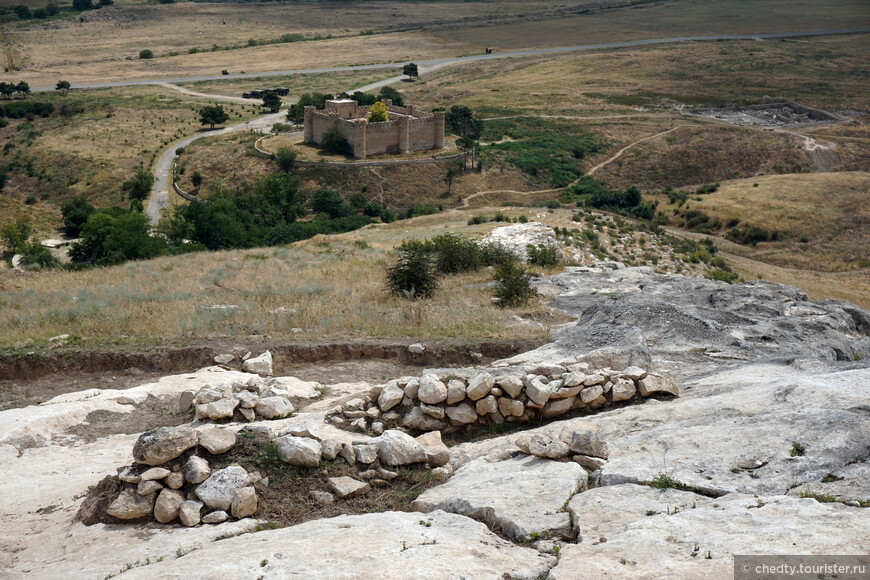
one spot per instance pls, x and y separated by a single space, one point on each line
382 138
422 134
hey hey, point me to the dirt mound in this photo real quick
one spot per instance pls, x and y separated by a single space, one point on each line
97 501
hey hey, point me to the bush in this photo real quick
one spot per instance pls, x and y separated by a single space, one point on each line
454 253
722 275
413 274
146 54
285 157
513 285
333 141
37 256
76 212
544 256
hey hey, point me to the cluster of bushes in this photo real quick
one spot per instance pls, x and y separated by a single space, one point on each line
418 264
705 252
26 109
283 39
23 12
550 152
751 235
590 192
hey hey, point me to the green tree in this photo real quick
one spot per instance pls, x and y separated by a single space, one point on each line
196 179
448 179
146 54
62 86
15 234
410 70
114 235
330 202
333 141
76 212
378 113
213 115
359 201
272 101
296 112
51 9
392 94
6 89
22 88
139 185
285 157
22 12
82 5
462 122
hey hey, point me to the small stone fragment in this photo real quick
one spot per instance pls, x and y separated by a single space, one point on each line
510 407
217 491
130 505
589 394
196 470
437 453
189 512
163 444
330 448
455 391
432 391
175 480
148 487
274 407
299 451
154 473
435 411
216 440
216 517
486 406
323 497
347 486
462 414
657 384
511 385
390 397
168 503
261 365
622 390
365 453
396 448
479 385
244 503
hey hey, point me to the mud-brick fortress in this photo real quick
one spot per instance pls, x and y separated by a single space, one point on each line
407 129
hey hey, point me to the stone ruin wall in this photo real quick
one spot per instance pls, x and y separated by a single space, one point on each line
406 130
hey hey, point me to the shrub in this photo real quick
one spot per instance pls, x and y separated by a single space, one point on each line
333 141
544 256
413 274
196 179
30 199
76 212
722 275
454 253
513 285
36 256
477 220
285 157
146 54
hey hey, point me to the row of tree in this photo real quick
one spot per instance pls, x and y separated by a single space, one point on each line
8 89
24 13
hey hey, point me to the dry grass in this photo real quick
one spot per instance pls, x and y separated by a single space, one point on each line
94 152
297 84
671 19
823 72
331 287
829 210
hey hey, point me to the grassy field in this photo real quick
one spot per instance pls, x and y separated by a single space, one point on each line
671 19
823 219
297 84
93 150
330 287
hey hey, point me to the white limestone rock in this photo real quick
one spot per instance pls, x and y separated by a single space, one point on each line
217 491
386 546
390 397
437 454
365 453
462 414
519 496
217 440
417 419
163 444
244 503
396 448
216 517
154 473
221 409
129 505
432 391
657 384
543 445
299 451
189 512
196 469
274 407
510 407
512 385
247 399
261 365
345 486
623 390
486 406
479 385
168 503
455 391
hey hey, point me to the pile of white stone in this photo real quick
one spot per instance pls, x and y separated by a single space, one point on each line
373 458
249 399
163 483
445 401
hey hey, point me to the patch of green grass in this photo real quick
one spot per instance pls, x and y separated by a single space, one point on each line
665 481
797 449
